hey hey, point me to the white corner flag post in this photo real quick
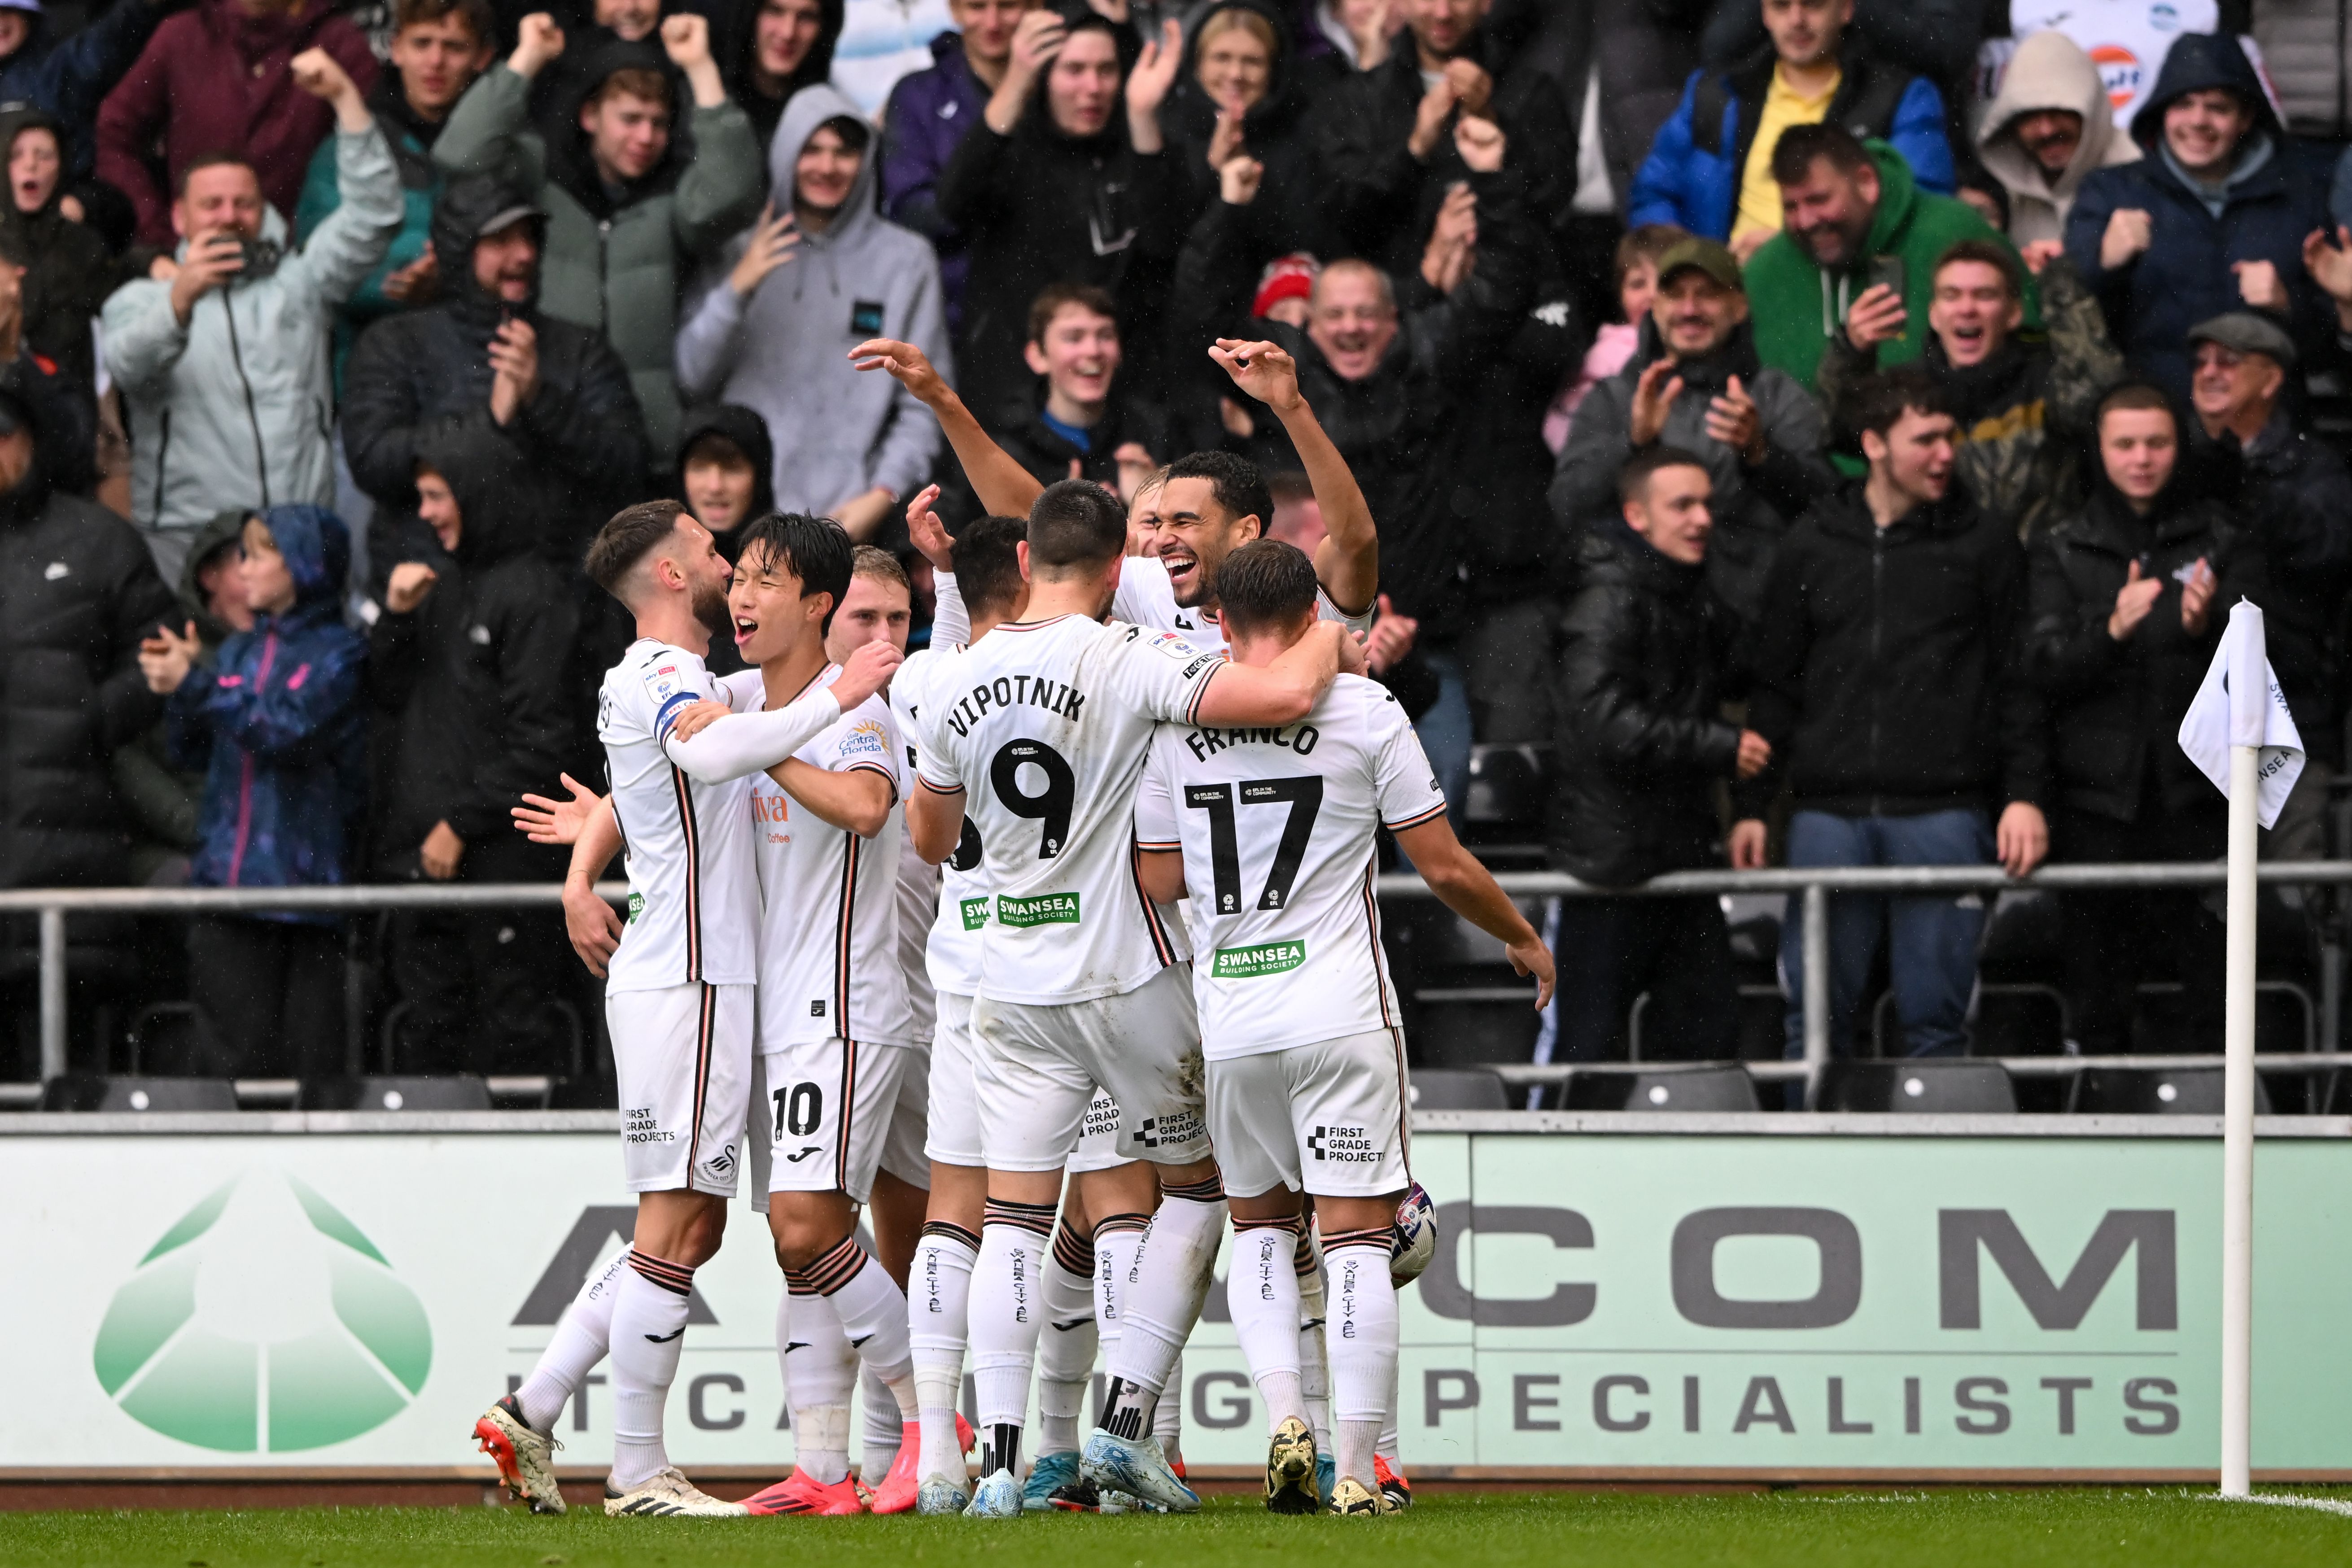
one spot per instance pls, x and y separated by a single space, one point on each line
2239 733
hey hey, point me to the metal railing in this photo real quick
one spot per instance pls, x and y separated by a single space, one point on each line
1812 885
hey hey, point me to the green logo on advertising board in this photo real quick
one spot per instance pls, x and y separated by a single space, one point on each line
263 1322
1265 958
1045 908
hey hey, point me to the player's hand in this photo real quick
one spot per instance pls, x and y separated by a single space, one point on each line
440 852
904 363
544 820
1755 754
2021 838
2130 230
1350 646
927 533
1262 370
1532 957
1747 843
695 717
410 582
1653 397
1876 316
165 658
866 672
592 925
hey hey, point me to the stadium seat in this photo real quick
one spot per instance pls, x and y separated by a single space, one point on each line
1663 1089
1925 1085
1436 1089
93 1091
1510 789
454 1092
2154 1091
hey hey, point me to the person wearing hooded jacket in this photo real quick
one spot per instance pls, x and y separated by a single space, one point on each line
822 269
67 272
770 49
1239 96
224 371
632 202
2212 219
928 114
466 673
577 441
2046 132
277 722
68 78
725 467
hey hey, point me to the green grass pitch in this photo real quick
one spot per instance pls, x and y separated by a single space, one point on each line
2069 1528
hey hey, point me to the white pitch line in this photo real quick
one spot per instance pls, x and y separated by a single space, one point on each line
2289 1500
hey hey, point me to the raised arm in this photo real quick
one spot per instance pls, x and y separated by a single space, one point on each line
1004 487
1469 889
1348 562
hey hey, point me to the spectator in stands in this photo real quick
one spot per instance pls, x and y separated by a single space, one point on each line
1086 424
487 357
466 670
929 113
1861 238
770 49
1937 38
2292 494
67 272
1386 147
725 460
65 78
2024 405
2047 132
1888 680
83 593
823 268
1711 169
438 48
1240 96
1634 277
1391 388
1053 189
2129 39
630 207
277 722
2125 618
1645 660
1694 386
219 78
224 367
2212 219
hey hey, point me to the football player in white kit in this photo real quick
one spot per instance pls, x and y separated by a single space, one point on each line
1040 739
678 984
1271 832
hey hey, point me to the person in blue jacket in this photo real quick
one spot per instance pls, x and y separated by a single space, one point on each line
1706 152
2211 220
68 78
275 722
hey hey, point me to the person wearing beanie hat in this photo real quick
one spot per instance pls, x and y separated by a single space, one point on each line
1285 288
1695 382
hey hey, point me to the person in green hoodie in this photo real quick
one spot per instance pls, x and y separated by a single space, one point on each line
1860 245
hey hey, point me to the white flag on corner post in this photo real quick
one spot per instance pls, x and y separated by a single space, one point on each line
2239 705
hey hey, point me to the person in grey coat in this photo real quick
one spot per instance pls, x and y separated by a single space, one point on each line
224 367
821 272
1695 382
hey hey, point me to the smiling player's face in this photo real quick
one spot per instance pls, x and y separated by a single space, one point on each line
765 607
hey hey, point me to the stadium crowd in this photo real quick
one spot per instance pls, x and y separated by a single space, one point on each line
1835 430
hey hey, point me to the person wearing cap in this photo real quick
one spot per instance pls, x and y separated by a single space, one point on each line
487 357
2212 219
2024 404
1695 382
223 366
2291 495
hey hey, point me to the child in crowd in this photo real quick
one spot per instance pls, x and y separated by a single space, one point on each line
1613 344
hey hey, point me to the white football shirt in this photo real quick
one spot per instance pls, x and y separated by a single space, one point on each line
1045 725
951 958
1276 829
694 897
829 921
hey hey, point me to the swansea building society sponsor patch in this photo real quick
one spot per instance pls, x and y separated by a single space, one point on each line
1249 963
1045 908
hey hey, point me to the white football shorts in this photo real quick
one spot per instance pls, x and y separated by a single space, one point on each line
1040 1066
1327 1119
824 1116
1098 1147
682 1063
953 1138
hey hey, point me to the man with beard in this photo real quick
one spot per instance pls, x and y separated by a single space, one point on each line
2023 406
488 360
2047 131
1695 384
1860 235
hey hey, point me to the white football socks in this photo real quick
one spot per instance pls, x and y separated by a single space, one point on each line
1119 1242
1314 1369
582 1338
648 1324
885 1427
820 1370
1170 1282
1066 1346
937 1301
1007 1310
1263 1292
1364 1344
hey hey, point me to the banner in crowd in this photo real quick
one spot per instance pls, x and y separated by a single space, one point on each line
1716 1304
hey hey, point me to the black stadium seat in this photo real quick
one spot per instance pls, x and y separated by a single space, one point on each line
1437 1089
454 1092
1663 1089
93 1091
2154 1091
1923 1085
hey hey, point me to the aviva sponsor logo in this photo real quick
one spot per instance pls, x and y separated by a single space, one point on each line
263 1322
1266 958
